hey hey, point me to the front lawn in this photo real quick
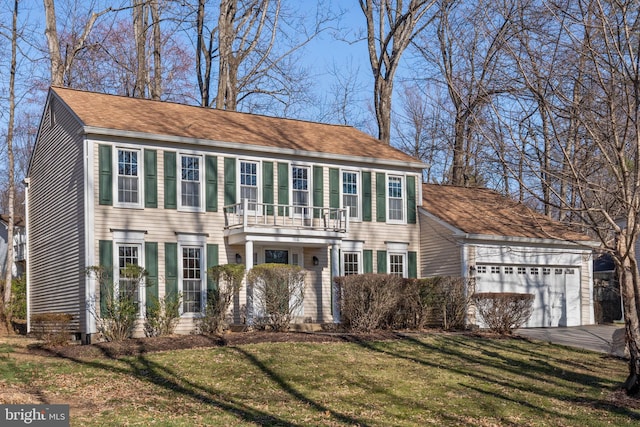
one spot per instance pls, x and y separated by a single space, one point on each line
423 379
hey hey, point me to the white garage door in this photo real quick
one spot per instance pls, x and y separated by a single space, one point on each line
556 290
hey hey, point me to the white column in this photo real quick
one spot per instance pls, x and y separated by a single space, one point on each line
335 272
248 263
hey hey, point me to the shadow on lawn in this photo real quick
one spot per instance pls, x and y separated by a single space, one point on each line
145 370
462 359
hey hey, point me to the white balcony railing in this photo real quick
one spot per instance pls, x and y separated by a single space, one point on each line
246 214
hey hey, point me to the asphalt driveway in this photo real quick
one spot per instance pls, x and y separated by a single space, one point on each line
593 337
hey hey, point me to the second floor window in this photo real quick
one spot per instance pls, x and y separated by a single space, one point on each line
190 181
300 177
249 183
350 193
128 177
396 203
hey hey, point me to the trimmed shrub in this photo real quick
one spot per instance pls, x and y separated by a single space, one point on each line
277 291
503 312
367 301
228 279
53 328
162 315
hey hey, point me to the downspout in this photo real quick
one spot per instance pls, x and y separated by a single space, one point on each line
26 251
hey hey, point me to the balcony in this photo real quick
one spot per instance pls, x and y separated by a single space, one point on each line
287 223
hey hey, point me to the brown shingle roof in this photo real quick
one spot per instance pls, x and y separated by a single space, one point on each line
165 118
485 212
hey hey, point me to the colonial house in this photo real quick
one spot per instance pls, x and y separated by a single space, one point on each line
177 189
503 246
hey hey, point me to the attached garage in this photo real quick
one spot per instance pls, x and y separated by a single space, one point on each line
503 246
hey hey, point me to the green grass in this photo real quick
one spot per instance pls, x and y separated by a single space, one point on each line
426 380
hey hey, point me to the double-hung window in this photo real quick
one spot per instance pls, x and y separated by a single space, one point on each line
300 186
350 194
397 265
190 182
249 184
350 263
128 177
192 279
395 197
128 277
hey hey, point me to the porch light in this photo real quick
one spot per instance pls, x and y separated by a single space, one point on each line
316 261
238 259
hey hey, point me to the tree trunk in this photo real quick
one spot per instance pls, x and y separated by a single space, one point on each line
53 42
203 51
140 36
12 107
629 280
156 82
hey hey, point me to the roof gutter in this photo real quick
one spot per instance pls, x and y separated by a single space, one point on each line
98 131
591 244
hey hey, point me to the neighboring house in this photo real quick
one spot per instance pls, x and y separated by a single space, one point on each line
19 245
506 247
177 189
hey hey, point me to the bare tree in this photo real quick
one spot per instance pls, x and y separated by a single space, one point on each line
146 15
391 26
6 306
61 65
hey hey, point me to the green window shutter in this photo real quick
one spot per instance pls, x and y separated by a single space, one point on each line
318 190
283 187
367 261
105 256
411 199
229 181
413 265
170 181
267 186
366 196
334 188
105 183
211 189
150 179
381 198
382 262
151 265
212 261
171 270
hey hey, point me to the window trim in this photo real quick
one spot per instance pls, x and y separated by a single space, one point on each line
357 218
201 181
193 241
140 175
309 205
398 249
129 238
403 199
259 184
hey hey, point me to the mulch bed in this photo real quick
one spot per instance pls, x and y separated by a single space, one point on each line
140 346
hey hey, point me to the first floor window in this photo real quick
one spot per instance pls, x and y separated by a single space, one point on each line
128 277
351 263
192 279
128 176
396 265
394 194
190 181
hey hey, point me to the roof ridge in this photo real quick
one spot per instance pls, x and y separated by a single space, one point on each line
218 111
